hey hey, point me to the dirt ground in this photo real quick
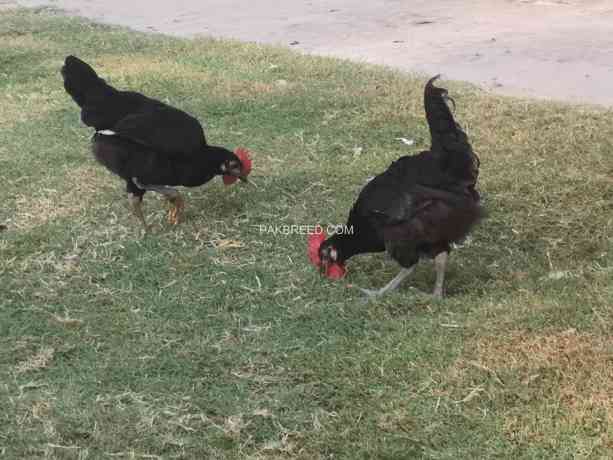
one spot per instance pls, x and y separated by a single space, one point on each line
557 49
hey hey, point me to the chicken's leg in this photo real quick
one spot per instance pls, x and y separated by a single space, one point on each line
393 284
171 194
177 202
174 216
440 264
136 203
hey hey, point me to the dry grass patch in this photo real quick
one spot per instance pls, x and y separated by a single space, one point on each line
23 42
80 189
570 373
243 88
21 105
125 69
41 360
583 362
122 67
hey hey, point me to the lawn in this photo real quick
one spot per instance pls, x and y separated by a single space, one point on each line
214 340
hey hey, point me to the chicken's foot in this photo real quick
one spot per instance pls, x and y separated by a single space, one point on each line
171 194
393 284
174 215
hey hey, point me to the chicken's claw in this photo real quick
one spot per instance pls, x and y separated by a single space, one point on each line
369 292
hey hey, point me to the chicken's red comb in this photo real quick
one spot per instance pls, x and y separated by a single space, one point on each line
314 243
246 163
334 271
243 155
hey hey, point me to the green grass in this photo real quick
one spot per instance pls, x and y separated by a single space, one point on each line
210 340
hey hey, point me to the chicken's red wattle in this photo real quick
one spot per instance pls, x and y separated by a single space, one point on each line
336 271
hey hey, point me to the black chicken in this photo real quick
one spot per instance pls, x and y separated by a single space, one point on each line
417 208
149 144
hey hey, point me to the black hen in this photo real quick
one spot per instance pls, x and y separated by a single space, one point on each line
149 144
417 207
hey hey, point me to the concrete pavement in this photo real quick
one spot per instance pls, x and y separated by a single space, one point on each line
556 49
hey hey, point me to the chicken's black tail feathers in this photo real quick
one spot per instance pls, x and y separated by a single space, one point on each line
445 132
449 141
80 79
